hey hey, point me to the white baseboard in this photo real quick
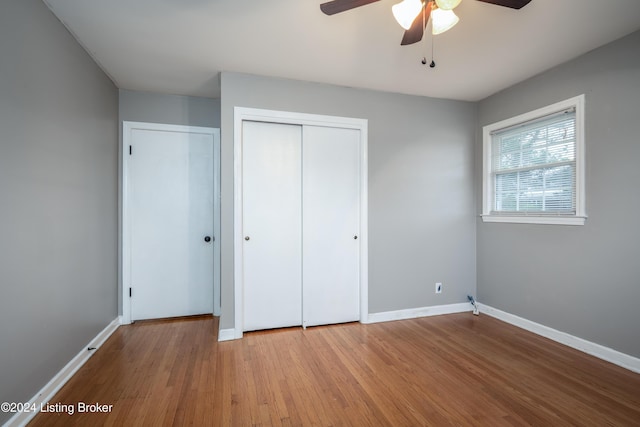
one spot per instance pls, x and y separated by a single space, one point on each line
387 316
226 334
61 378
601 352
412 313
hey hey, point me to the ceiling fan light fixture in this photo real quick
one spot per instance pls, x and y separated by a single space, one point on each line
442 20
406 12
448 4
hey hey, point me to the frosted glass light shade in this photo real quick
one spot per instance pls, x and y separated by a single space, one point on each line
406 11
442 20
448 4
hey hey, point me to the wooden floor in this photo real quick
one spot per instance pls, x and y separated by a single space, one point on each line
457 370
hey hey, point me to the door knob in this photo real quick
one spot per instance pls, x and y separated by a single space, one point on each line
246 238
355 237
207 239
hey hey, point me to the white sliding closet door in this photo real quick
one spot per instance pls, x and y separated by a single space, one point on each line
330 212
272 225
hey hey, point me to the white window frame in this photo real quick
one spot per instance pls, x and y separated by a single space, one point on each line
488 186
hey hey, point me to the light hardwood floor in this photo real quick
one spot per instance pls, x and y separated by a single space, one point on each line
457 370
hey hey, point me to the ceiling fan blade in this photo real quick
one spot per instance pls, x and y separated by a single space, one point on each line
513 4
415 33
337 6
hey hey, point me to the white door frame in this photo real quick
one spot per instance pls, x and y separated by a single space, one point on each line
127 129
272 116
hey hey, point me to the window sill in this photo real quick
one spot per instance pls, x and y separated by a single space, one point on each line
546 220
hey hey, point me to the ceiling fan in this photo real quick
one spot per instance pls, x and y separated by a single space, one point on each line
413 15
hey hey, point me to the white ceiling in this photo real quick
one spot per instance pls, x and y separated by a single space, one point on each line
180 46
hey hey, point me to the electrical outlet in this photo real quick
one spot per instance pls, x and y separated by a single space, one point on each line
438 288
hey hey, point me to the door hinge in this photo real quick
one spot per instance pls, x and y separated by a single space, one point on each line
129 292
130 150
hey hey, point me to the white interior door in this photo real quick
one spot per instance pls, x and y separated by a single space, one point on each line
331 212
171 203
272 225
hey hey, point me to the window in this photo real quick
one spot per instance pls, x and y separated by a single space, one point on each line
533 168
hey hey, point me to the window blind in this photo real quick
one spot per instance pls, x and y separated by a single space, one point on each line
534 166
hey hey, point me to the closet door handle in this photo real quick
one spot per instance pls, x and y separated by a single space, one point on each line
246 238
355 237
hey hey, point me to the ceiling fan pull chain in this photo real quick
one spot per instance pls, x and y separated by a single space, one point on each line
433 63
424 25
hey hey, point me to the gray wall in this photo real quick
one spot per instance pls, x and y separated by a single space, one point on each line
581 280
421 192
58 185
169 109
135 106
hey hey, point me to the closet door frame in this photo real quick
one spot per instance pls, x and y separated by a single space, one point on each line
242 114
